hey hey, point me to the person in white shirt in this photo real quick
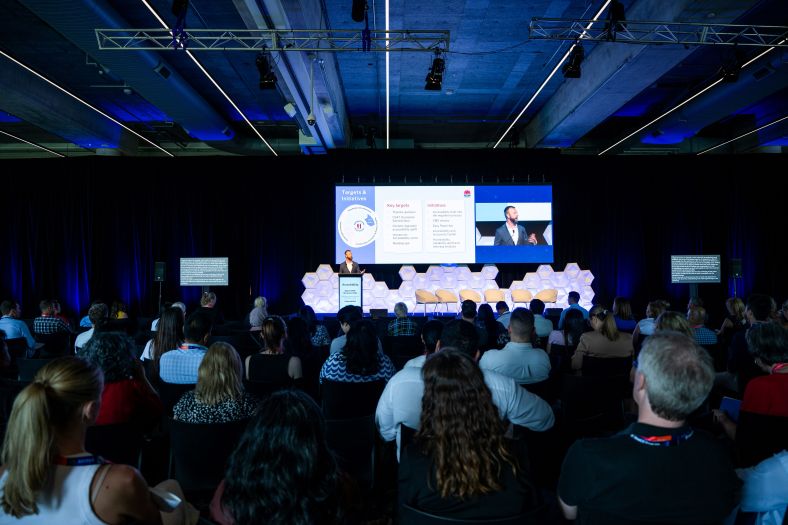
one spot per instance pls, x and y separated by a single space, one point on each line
400 403
542 326
519 359
98 315
13 327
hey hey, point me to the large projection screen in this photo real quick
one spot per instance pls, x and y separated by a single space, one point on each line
444 224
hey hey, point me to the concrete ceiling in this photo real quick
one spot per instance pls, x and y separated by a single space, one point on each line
492 70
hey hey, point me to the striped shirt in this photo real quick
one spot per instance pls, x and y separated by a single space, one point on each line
335 369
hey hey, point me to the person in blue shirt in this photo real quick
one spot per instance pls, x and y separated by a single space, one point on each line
573 299
12 326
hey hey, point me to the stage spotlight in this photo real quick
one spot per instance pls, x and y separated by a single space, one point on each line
571 68
434 78
359 8
267 76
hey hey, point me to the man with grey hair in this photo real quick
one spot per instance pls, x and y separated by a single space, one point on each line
402 324
659 469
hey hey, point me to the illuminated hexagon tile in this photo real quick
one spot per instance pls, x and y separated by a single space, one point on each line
324 306
407 273
410 303
308 297
560 280
310 279
463 273
586 277
449 281
334 280
380 303
587 294
368 281
545 271
476 281
324 272
406 289
572 270
324 289
490 284
489 271
532 281
434 273
517 285
366 299
380 290
420 281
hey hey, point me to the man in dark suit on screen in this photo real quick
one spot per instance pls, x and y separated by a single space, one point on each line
511 233
349 265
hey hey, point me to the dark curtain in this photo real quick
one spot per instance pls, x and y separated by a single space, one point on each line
93 228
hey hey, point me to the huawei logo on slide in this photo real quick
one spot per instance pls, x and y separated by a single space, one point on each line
467 193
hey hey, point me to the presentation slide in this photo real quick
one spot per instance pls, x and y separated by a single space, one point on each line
444 224
692 269
205 271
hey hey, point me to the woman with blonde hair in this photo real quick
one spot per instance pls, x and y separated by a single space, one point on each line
219 396
48 476
646 326
735 321
674 321
604 340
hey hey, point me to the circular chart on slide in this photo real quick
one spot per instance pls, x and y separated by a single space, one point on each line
357 226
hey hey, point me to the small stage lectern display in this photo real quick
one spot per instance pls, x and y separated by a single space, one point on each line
351 288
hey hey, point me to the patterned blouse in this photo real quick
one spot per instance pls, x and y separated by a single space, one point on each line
321 337
189 410
335 369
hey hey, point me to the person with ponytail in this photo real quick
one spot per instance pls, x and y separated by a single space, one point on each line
47 475
272 364
604 340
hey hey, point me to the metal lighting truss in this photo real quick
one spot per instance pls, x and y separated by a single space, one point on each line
649 32
333 40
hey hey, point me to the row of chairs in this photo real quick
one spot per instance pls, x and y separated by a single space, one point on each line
441 296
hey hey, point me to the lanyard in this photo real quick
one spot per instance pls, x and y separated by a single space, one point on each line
778 366
81 461
666 440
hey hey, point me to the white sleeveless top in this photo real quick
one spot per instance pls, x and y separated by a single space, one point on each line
65 500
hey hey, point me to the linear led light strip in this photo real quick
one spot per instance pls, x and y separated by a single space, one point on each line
743 135
72 95
209 77
20 139
553 72
387 75
699 93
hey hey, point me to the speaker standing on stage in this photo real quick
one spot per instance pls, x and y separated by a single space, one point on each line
349 265
511 233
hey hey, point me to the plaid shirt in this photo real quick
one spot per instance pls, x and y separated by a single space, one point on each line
49 325
180 366
704 336
402 326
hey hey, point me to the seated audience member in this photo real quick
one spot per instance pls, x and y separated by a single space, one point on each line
765 490
741 367
47 323
519 359
57 311
573 298
179 365
12 325
260 309
459 420
361 360
766 395
402 324
622 313
430 335
659 470
400 403
218 396
282 471
502 309
317 332
647 326
182 307
673 322
497 335
256 318
49 477
782 315
695 302
119 311
468 314
542 326
98 315
347 315
128 396
272 364
702 335
5 356
735 321
208 307
604 340
574 327
85 321
168 337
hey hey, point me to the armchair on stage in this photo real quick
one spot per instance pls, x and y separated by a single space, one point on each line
442 288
